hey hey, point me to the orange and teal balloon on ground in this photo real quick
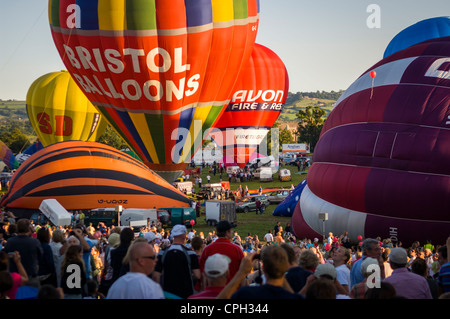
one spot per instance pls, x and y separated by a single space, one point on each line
59 111
160 71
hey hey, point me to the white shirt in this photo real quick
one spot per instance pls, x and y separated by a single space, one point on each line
343 275
134 285
268 237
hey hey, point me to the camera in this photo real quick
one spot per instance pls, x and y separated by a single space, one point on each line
11 254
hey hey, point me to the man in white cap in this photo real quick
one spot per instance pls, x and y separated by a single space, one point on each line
216 272
177 266
407 284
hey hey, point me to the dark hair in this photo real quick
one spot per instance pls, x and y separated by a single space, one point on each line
196 243
43 235
290 252
443 252
23 226
6 281
48 292
386 291
126 236
321 288
419 266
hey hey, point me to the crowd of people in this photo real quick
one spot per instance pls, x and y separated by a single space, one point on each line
86 262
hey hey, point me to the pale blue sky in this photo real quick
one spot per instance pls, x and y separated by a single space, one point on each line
325 44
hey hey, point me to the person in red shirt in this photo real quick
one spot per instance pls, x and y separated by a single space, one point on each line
223 245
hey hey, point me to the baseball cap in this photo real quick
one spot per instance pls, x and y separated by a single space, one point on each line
399 256
216 265
325 269
366 263
178 230
150 236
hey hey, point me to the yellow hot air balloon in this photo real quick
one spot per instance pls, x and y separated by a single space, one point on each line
59 111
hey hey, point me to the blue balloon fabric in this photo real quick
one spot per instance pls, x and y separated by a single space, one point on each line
286 207
419 32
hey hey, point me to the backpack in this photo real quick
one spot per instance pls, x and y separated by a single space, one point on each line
179 248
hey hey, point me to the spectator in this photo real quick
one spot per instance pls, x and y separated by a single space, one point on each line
444 272
224 246
47 270
20 278
117 255
57 246
177 266
73 273
50 292
387 267
6 284
370 248
268 237
106 281
358 290
308 260
386 291
275 263
328 272
136 284
296 275
420 267
216 273
407 284
30 251
341 257
321 288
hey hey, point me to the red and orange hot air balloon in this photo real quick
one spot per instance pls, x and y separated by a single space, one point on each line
257 101
160 71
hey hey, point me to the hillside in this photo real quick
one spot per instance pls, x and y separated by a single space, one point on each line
16 110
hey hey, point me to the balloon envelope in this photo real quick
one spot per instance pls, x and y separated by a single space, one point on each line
259 95
7 156
88 175
421 31
381 163
59 111
159 71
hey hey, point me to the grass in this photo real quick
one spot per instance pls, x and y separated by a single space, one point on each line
250 222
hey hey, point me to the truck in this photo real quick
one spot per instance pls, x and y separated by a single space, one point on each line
217 210
184 187
138 217
55 212
179 215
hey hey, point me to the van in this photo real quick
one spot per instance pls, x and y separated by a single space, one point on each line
137 217
180 215
55 212
232 169
264 174
217 210
284 175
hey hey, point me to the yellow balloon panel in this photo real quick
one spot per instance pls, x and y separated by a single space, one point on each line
59 111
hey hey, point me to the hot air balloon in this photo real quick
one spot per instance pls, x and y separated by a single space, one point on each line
287 206
159 71
59 111
421 31
7 156
381 164
257 101
88 175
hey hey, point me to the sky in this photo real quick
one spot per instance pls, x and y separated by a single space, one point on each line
325 44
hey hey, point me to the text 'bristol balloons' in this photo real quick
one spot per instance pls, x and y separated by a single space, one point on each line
381 164
59 111
88 175
160 71
421 31
259 95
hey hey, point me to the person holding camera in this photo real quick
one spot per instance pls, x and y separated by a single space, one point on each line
275 263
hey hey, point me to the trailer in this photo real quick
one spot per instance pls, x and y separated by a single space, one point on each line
217 210
55 212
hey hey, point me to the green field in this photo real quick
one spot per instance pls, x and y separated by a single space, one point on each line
250 222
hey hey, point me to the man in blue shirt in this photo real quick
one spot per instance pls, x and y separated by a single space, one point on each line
370 248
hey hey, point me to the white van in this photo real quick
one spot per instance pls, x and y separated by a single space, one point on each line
264 174
138 217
